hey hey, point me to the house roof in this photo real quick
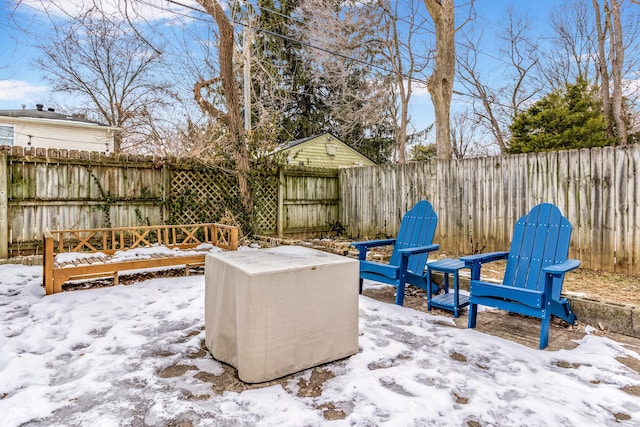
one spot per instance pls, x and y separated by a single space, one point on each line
48 114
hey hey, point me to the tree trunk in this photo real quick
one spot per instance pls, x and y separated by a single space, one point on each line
231 91
617 62
401 134
602 66
440 83
117 142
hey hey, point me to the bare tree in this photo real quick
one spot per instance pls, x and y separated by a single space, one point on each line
102 61
399 47
165 135
616 47
232 117
440 83
496 103
347 65
485 108
603 28
574 51
609 27
466 138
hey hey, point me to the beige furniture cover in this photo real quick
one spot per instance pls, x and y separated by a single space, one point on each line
273 312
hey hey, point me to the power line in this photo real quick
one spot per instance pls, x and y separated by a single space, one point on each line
302 43
295 40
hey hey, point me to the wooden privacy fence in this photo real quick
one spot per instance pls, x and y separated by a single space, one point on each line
54 189
43 190
479 200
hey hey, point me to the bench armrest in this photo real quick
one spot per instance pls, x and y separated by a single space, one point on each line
554 277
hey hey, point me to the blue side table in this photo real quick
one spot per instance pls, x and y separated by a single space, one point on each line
451 301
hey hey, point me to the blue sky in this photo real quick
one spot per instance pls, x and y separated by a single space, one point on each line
22 84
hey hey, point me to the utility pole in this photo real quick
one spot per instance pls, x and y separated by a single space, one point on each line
246 50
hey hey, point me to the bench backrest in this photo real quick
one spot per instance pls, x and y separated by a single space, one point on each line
540 238
417 228
109 240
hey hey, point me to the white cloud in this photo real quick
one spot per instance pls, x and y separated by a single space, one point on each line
19 90
631 87
420 89
149 10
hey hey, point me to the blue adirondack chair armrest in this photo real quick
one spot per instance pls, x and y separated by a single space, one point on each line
363 247
555 277
474 262
373 243
407 252
562 268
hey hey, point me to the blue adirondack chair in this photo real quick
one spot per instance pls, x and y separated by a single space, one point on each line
536 265
411 249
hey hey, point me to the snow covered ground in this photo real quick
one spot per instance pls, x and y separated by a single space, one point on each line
96 358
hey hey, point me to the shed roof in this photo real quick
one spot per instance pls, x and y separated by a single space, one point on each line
303 140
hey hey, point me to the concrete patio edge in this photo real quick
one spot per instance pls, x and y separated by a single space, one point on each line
621 318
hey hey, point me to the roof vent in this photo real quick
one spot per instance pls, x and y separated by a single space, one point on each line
39 107
51 109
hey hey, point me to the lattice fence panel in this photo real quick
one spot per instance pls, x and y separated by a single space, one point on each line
267 206
200 196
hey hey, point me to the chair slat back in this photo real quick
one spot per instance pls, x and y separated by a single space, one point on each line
417 228
540 238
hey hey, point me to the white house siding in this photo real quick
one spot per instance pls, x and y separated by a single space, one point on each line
60 134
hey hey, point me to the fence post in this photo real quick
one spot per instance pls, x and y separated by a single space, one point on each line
4 219
165 213
280 214
47 261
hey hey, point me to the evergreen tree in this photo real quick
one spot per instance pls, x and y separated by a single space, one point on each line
420 152
562 120
281 82
300 91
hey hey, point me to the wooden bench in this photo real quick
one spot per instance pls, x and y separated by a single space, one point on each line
105 244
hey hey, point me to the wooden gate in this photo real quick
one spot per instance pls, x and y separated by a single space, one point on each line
309 201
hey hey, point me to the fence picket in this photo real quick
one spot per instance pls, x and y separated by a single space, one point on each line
633 196
585 202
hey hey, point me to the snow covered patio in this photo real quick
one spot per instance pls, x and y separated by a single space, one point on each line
134 355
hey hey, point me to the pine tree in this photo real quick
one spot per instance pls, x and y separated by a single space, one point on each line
562 120
281 81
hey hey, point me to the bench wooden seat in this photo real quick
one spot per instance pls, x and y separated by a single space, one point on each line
109 244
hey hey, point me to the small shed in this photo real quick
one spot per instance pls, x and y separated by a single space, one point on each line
323 151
